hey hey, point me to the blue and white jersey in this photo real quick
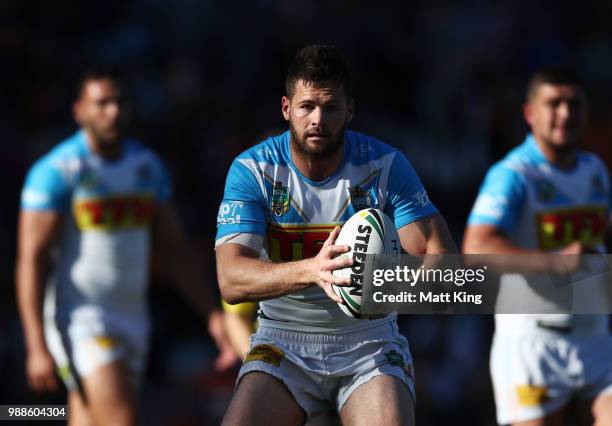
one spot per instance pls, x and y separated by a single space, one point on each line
265 194
541 207
102 254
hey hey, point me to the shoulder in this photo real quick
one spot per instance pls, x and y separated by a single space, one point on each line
590 159
63 158
273 150
363 149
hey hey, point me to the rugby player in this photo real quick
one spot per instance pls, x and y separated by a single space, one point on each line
90 211
284 201
547 196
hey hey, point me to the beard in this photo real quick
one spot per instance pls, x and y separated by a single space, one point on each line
319 151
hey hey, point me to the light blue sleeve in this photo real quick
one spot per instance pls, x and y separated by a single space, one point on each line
243 208
45 188
407 198
500 200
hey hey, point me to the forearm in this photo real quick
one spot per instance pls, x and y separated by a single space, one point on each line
29 278
245 279
502 256
238 329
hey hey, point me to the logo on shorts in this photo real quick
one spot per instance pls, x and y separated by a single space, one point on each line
360 199
280 199
396 359
531 396
266 353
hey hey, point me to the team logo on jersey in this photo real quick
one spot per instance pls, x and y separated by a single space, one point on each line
360 199
280 199
558 228
87 179
545 190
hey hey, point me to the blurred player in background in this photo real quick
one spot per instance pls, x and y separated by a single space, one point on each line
547 196
91 210
277 224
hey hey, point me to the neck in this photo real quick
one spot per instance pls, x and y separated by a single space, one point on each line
316 169
108 151
562 158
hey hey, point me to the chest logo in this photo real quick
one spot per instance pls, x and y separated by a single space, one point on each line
360 199
280 199
545 190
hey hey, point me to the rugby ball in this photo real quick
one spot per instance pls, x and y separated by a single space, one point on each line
368 231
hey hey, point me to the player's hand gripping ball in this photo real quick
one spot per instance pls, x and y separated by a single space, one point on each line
367 232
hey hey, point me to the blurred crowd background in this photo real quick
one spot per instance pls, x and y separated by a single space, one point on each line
441 80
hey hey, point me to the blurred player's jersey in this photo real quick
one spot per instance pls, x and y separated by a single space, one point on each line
102 255
539 206
265 194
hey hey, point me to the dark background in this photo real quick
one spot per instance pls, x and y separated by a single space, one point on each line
441 80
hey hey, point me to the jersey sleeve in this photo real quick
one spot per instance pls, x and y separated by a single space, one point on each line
45 188
243 209
500 200
407 198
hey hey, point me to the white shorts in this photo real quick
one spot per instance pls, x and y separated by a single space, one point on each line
321 371
82 345
537 373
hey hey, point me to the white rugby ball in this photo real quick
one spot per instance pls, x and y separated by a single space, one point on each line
368 231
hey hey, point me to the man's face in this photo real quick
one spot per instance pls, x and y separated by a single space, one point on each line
557 114
318 116
100 110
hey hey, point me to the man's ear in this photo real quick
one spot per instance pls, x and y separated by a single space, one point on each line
528 113
77 111
286 107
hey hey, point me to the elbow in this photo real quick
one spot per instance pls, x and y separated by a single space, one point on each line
230 293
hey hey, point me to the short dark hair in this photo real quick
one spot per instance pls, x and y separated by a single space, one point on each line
556 74
99 72
317 64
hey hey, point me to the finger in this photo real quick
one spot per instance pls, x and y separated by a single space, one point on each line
332 237
332 294
340 263
331 279
333 251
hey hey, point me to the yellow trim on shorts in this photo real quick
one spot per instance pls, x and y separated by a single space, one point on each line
247 308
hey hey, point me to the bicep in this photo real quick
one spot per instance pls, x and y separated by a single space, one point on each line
37 231
426 236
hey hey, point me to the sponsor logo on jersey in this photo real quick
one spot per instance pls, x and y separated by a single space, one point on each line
112 213
360 199
287 243
267 353
421 198
531 396
558 228
229 213
280 199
